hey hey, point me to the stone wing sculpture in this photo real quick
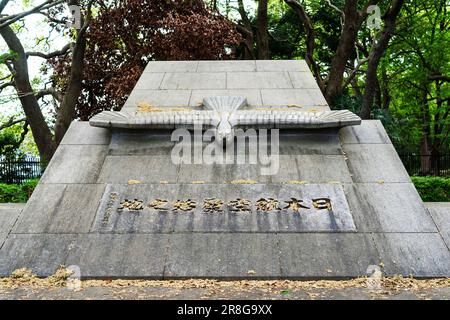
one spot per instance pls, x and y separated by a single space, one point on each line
225 113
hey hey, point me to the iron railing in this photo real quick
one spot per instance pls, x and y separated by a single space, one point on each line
427 165
20 171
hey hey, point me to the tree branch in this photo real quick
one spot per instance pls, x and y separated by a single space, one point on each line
6 21
11 122
63 51
68 103
41 132
49 91
23 135
375 55
5 85
51 19
298 8
342 14
354 72
3 4
247 31
438 77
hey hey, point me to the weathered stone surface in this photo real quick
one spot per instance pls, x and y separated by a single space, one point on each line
246 172
309 255
388 207
226 66
417 254
208 173
281 65
316 96
149 80
43 254
110 218
310 143
11 206
156 142
171 66
224 256
147 169
307 98
368 132
303 80
105 256
158 98
119 255
201 80
80 132
253 96
60 208
316 255
332 169
440 211
75 164
258 80
140 143
375 163
301 168
8 216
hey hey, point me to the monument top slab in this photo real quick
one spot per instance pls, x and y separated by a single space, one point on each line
263 83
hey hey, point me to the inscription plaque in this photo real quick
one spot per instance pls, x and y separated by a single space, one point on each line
163 208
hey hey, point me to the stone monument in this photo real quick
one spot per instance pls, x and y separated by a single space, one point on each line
266 182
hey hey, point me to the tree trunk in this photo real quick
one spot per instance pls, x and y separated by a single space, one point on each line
310 39
262 36
247 32
425 159
375 55
41 132
346 47
386 96
356 88
425 149
66 112
377 93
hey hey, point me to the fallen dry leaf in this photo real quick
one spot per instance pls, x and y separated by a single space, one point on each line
134 182
243 181
297 182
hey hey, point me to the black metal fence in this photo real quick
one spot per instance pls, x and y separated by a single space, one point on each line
427 165
20 171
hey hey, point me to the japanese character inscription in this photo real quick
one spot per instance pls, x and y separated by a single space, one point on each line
237 205
227 208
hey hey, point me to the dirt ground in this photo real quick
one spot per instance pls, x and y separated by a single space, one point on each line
22 284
